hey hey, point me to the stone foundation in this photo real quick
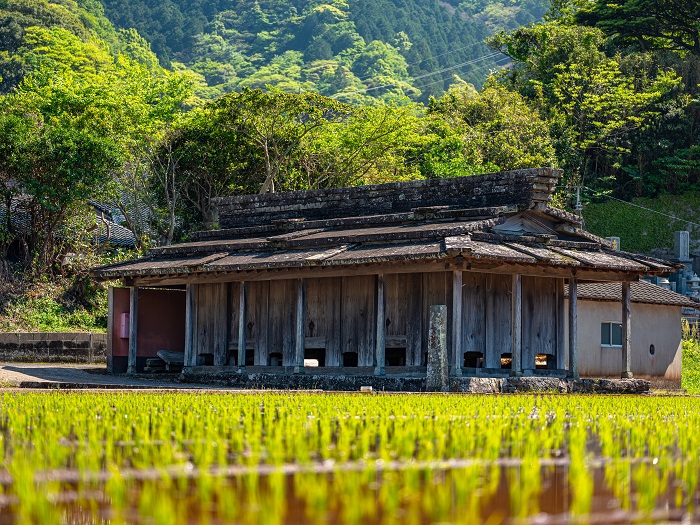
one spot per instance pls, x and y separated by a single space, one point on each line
50 347
398 383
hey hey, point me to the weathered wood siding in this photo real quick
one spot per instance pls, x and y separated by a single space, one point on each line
211 321
358 302
280 326
403 314
258 320
474 312
323 319
539 310
498 322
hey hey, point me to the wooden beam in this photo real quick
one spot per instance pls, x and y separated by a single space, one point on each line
110 329
380 342
626 331
190 350
457 351
517 325
299 346
561 326
242 320
408 266
573 327
133 328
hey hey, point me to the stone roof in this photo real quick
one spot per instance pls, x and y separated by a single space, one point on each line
641 291
485 222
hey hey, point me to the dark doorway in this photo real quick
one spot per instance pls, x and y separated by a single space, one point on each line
319 354
395 356
507 361
276 359
473 359
350 359
545 362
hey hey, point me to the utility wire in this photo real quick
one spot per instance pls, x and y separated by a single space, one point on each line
425 75
507 59
645 208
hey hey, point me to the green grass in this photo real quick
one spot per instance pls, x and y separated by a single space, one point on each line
641 230
691 366
175 459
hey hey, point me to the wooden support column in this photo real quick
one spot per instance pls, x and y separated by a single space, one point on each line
190 350
561 325
573 328
458 352
380 344
626 331
299 345
133 328
517 325
242 320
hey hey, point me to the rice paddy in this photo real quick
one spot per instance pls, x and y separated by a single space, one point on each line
171 459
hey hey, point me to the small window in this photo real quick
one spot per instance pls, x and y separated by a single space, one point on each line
611 334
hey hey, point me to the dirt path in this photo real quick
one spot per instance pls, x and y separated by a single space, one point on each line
24 374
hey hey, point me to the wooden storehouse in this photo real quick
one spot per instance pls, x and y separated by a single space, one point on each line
343 279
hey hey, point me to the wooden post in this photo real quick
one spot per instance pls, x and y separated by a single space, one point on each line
517 325
380 348
242 318
110 329
561 325
458 358
626 331
133 328
301 317
190 358
573 328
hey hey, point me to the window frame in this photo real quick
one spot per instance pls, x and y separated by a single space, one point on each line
610 333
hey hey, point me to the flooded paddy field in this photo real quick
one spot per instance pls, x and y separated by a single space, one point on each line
347 459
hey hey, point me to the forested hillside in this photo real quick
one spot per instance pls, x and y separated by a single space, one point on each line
607 90
355 50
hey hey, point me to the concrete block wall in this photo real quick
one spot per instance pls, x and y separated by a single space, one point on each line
53 347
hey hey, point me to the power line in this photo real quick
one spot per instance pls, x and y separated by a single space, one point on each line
507 59
425 75
645 208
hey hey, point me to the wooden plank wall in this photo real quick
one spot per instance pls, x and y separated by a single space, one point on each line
437 289
323 316
474 312
233 309
258 321
539 331
281 323
211 321
403 312
498 336
358 303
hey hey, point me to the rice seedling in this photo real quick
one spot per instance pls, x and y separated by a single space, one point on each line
176 459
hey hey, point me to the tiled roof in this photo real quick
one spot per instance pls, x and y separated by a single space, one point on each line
485 221
642 292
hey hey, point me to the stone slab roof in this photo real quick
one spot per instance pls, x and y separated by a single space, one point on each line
642 292
485 221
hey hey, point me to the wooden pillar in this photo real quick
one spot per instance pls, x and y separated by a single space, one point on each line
561 325
573 327
133 328
458 352
299 345
626 331
517 325
242 319
380 345
190 358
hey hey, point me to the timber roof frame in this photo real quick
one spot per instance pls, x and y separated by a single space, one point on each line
500 222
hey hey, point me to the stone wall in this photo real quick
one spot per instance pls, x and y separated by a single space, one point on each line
499 189
49 347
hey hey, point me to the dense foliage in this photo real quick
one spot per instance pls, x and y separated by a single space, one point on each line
356 50
89 114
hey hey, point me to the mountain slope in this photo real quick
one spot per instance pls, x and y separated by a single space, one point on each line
353 47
